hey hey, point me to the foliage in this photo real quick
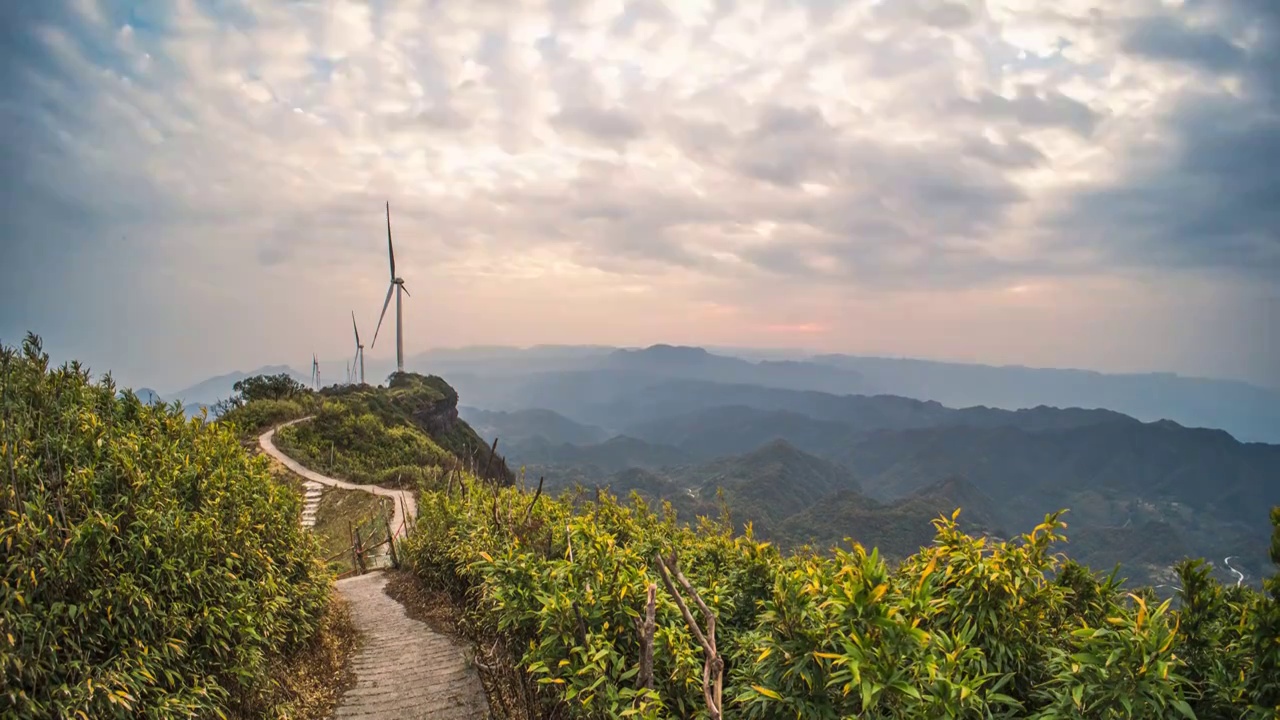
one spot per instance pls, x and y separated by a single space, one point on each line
262 401
268 387
252 418
309 682
965 628
151 567
344 442
387 435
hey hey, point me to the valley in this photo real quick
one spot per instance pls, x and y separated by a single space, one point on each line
810 467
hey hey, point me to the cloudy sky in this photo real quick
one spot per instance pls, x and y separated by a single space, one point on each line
194 186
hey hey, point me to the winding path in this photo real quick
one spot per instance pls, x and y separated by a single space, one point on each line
402 499
404 669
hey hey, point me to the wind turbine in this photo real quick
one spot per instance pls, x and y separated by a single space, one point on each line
359 359
315 371
397 286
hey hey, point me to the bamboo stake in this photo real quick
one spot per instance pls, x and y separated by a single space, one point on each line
492 451
534 501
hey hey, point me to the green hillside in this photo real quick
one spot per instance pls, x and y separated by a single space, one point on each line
964 628
898 529
1201 493
389 435
154 569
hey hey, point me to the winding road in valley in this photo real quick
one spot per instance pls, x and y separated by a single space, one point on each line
1239 575
404 669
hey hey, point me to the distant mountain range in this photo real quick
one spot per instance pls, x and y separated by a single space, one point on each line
1145 493
813 449
581 382
577 379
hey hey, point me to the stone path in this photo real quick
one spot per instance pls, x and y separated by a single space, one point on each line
404 669
311 492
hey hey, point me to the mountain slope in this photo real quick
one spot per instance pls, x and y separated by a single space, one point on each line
769 484
521 426
615 454
1247 411
732 429
389 435
898 529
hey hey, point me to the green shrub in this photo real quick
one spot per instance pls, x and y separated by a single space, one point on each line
151 568
255 417
965 629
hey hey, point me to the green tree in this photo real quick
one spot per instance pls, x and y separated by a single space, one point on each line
268 387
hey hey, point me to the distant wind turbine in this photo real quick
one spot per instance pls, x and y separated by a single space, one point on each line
359 359
397 285
315 371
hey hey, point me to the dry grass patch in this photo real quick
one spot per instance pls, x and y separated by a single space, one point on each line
308 684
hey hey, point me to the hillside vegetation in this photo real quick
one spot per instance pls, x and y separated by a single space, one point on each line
387 435
1143 494
966 628
559 590
151 568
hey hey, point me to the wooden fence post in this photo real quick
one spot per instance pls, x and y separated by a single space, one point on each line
355 552
391 543
360 553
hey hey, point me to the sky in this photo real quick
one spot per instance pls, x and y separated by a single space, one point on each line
196 186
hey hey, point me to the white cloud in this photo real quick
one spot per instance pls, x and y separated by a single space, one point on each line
591 150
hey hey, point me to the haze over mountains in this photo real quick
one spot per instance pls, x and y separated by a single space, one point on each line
504 378
813 450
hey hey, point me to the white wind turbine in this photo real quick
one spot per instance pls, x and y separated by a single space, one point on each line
359 358
397 286
315 371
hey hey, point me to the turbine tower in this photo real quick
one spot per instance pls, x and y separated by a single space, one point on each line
397 286
359 358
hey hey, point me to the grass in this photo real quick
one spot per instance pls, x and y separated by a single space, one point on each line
340 511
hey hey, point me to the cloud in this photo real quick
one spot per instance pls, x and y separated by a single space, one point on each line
758 154
1031 108
1205 192
1164 37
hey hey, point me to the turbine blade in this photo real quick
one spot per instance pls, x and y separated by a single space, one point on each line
405 289
354 328
352 368
391 253
390 288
